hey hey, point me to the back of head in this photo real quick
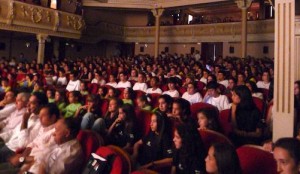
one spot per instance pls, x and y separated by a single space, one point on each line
212 85
227 159
73 125
41 97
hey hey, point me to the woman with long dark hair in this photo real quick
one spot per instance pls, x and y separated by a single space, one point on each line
190 152
155 149
245 117
222 159
122 132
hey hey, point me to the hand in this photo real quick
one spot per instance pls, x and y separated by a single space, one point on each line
26 116
14 160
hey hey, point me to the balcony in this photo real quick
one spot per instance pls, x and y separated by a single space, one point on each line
27 18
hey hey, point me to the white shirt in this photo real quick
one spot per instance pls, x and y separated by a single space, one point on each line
258 95
224 82
220 102
73 85
194 98
204 80
63 159
7 110
112 84
151 91
262 84
173 94
20 138
62 81
12 120
140 86
126 84
101 82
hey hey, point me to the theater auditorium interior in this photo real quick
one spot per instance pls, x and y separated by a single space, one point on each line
150 86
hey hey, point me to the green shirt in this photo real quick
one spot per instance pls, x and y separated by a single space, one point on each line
127 101
61 106
71 109
147 108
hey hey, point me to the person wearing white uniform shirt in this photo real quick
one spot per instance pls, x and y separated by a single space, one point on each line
26 131
172 90
62 79
154 86
221 78
213 97
112 81
140 84
43 143
191 95
8 104
123 83
74 83
265 83
15 118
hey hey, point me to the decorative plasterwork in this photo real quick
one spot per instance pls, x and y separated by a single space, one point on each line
18 16
225 32
144 4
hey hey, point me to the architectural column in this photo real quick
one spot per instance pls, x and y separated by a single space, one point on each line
157 14
284 66
297 47
41 49
244 5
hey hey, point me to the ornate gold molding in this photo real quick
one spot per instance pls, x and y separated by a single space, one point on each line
24 17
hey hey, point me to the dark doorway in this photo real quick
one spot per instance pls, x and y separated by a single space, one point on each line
211 50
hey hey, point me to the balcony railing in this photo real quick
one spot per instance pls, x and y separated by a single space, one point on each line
28 18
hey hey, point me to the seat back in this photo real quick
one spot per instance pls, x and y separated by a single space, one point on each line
117 164
225 121
197 106
90 141
256 160
144 171
154 100
210 137
259 104
124 156
104 106
143 120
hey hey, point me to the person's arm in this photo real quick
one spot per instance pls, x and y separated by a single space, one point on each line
173 170
158 164
25 120
113 126
136 147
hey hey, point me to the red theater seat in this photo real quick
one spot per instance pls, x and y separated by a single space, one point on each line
210 137
259 104
225 121
90 141
124 156
117 164
255 160
197 106
143 121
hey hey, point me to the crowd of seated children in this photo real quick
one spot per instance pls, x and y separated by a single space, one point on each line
118 125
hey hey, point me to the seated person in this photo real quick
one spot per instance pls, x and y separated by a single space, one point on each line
4 85
214 97
140 84
191 94
123 83
122 132
8 104
74 83
15 118
143 104
254 90
128 96
208 119
154 86
172 88
112 81
287 155
74 104
155 149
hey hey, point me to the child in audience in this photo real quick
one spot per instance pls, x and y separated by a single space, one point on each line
4 85
143 104
122 132
222 159
112 93
128 96
102 91
51 95
172 88
208 119
214 97
74 104
154 86
287 155
155 149
60 100
83 90
189 155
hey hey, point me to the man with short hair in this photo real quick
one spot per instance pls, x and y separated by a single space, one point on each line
8 104
27 130
74 83
15 118
123 83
